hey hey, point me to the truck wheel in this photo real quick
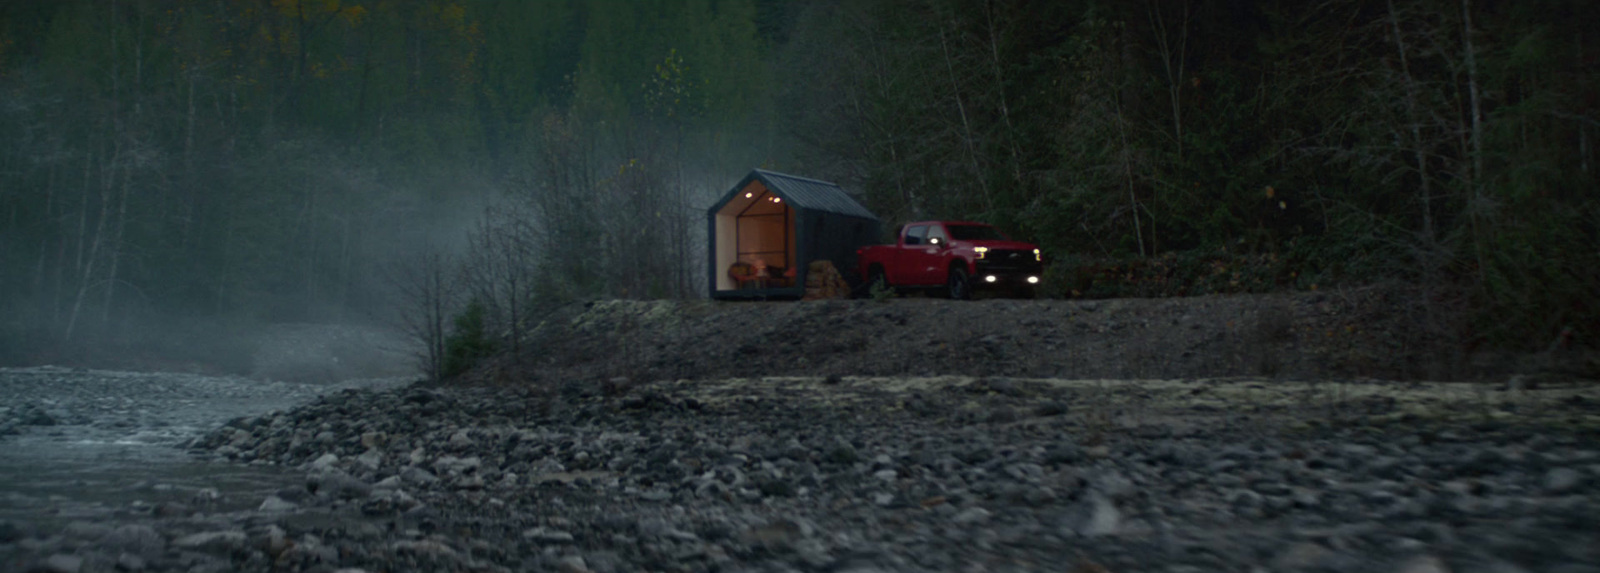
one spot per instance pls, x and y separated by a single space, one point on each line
876 281
957 287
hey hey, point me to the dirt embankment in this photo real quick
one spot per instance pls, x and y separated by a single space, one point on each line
1367 333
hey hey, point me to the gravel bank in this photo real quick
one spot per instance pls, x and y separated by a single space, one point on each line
893 474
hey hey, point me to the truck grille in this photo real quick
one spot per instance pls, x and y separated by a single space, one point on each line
1009 259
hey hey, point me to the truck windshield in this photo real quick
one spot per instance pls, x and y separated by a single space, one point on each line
975 233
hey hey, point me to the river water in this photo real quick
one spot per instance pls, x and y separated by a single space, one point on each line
114 448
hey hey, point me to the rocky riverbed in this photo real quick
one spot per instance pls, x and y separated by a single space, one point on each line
85 453
885 474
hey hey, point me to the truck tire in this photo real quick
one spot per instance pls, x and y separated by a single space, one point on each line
957 286
876 280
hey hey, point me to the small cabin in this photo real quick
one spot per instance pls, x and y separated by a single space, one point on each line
767 230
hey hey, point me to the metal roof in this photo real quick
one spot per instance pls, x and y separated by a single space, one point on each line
810 193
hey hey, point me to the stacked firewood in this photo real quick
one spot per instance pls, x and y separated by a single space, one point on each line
824 281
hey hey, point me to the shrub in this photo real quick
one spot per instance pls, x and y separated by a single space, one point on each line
468 342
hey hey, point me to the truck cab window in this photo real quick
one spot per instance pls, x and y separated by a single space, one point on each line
915 234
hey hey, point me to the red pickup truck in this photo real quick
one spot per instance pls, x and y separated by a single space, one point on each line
954 257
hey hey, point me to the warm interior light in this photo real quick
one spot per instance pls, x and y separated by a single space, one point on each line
747 195
776 200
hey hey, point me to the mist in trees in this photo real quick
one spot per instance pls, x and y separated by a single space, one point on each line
225 163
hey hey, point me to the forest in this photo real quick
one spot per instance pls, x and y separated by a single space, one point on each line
171 169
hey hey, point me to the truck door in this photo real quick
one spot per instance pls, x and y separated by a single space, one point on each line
911 262
936 264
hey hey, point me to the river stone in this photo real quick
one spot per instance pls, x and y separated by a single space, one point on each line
141 540
84 531
572 564
338 484
130 562
546 535
211 541
324 462
418 475
370 460
971 515
60 563
1562 480
275 504
1094 516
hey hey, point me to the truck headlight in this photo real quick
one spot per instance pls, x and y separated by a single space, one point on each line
1036 256
981 251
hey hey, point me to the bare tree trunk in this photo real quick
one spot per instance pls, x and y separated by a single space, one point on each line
1000 85
1127 169
88 268
1414 118
116 249
1476 181
1174 71
972 152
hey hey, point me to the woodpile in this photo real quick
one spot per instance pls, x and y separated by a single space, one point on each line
823 281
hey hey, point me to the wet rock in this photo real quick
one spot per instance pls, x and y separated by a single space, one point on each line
216 542
971 515
131 563
471 482
60 563
455 465
572 564
1562 480
371 460
547 535
272 540
461 440
843 454
419 476
135 539
275 504
324 462
171 509
206 496
85 531
1094 516
336 484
